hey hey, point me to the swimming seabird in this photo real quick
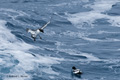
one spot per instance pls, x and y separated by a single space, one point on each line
76 71
34 33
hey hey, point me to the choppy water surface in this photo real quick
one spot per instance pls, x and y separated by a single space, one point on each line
82 33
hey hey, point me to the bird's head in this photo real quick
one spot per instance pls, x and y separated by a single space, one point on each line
74 67
41 30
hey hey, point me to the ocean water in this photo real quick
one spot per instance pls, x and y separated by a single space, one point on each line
82 33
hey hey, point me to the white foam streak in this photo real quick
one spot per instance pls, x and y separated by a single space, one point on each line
89 56
74 34
114 20
103 5
49 71
102 32
79 19
85 36
19 13
91 39
14 14
71 3
81 35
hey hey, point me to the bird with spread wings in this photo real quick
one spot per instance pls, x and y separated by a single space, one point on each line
36 32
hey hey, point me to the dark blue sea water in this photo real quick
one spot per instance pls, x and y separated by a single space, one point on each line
82 33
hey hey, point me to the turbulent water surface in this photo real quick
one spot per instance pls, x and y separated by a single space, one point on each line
82 33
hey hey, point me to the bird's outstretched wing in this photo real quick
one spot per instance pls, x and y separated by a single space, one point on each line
45 25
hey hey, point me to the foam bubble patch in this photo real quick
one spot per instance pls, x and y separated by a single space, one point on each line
82 18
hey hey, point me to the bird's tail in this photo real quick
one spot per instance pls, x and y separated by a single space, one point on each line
27 29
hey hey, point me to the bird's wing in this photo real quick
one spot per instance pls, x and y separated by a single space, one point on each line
30 31
76 71
45 25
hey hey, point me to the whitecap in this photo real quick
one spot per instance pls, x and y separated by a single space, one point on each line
81 18
102 5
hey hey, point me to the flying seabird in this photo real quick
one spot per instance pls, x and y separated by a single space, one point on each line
34 33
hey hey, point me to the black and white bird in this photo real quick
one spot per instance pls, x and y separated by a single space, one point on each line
76 71
34 33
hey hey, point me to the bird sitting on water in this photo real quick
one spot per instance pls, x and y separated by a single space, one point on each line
76 71
34 33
